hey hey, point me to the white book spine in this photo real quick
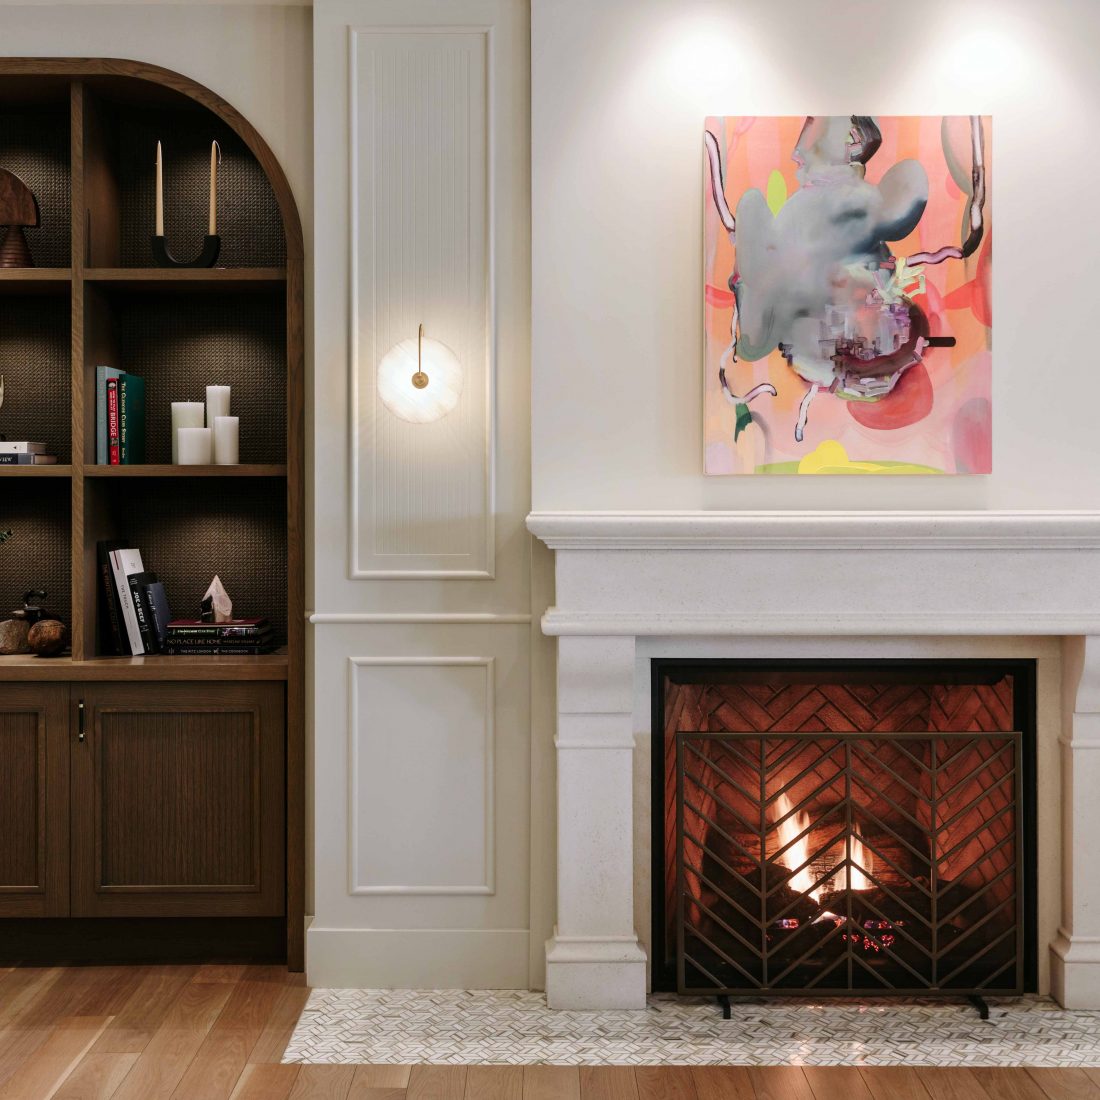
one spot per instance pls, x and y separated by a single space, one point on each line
9 448
123 563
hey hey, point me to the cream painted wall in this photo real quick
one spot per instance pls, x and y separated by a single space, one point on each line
619 92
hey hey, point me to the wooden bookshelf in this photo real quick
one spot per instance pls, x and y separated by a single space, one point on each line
97 300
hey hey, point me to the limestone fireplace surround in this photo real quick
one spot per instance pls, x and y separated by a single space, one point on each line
633 586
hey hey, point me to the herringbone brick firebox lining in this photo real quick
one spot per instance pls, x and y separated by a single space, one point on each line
976 776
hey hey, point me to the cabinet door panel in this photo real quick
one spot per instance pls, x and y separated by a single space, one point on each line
34 800
178 801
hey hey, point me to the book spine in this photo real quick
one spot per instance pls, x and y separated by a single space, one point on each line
9 448
216 633
129 615
215 650
123 417
114 456
144 616
101 416
112 632
158 605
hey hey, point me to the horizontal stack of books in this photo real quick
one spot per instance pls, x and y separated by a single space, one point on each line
119 418
25 454
241 637
134 614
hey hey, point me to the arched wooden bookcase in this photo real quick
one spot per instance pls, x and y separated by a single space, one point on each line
159 797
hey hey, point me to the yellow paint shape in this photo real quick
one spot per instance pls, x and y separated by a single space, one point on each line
831 458
777 191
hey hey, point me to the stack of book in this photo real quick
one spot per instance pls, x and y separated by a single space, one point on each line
119 418
25 454
242 637
134 612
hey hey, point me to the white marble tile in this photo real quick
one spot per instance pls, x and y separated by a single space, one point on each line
514 1027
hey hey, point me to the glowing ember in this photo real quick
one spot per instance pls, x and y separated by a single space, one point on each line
797 848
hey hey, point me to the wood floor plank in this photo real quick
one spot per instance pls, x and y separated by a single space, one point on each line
836 1083
482 1083
95 1077
217 1065
1065 1084
108 990
250 1006
549 1083
1008 1084
322 1083
143 1013
894 1083
219 973
665 1083
383 1077
22 987
280 1026
38 1077
175 1043
265 1082
723 1082
780 1083
951 1083
609 1083
437 1083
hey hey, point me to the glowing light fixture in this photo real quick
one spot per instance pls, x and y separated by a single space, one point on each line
420 380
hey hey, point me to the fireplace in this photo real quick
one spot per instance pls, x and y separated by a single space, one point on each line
839 827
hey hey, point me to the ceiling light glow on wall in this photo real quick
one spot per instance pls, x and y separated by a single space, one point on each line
420 380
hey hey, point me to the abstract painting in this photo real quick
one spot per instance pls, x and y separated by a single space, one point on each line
847 283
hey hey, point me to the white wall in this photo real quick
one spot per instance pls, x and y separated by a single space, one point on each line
620 89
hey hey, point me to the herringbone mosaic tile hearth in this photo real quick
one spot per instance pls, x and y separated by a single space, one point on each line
478 1027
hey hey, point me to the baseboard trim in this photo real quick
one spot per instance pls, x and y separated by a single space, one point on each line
425 958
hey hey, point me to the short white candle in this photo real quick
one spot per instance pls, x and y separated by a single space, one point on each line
185 414
227 433
217 403
194 446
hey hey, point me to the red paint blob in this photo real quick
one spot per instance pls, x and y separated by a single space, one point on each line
909 401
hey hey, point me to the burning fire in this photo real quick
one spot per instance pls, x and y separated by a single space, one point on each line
797 854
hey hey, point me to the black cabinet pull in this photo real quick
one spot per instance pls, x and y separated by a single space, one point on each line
80 721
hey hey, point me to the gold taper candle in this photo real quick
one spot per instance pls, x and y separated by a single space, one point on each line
215 154
160 193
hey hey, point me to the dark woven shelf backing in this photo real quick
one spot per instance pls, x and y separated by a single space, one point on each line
34 360
249 222
188 531
182 345
34 144
39 554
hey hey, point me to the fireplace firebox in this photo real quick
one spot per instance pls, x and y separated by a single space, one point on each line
844 828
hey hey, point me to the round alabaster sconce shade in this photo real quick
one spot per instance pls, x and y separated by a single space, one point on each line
420 380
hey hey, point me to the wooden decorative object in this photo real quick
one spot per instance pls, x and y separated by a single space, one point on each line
18 209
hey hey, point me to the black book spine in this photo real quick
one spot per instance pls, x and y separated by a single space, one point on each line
211 649
144 615
218 632
109 624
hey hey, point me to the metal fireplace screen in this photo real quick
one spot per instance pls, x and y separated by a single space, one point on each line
830 861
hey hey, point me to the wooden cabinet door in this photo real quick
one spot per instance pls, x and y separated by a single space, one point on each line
34 800
178 801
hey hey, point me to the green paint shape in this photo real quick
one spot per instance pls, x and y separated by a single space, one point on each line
777 191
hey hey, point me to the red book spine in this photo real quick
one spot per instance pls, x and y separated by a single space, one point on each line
114 449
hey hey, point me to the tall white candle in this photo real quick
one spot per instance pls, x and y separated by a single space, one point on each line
227 434
217 403
215 153
160 193
185 414
194 446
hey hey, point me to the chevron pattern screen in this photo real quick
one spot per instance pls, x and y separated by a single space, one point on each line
833 835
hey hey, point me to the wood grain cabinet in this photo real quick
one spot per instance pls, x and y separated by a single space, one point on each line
178 800
34 800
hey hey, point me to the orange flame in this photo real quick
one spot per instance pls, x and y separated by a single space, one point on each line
852 877
798 852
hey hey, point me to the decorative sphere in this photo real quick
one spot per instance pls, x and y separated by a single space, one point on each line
420 404
48 637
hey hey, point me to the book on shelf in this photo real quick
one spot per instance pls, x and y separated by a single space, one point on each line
120 418
125 562
28 460
215 650
112 637
143 609
11 447
183 629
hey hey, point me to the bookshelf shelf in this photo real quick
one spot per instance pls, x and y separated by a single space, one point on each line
82 133
163 470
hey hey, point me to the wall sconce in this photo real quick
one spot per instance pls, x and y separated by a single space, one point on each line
420 380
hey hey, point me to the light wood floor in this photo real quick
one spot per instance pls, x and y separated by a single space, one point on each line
206 1032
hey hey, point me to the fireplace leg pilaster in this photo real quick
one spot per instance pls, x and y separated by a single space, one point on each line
594 960
1075 953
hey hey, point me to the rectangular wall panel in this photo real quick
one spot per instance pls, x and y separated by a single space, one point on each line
422 764
420 217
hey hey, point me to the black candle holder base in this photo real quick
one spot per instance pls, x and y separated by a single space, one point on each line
211 247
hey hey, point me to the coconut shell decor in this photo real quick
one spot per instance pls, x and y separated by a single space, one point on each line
18 210
13 637
48 637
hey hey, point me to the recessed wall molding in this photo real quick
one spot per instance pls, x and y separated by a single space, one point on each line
419 732
421 210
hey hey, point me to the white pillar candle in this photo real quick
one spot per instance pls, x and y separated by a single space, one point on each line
217 403
194 446
227 432
185 414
